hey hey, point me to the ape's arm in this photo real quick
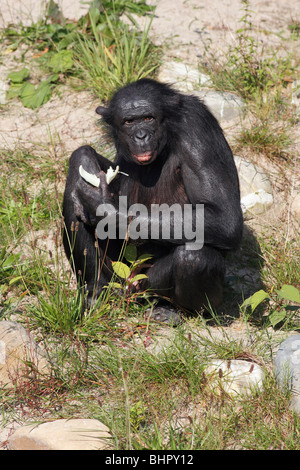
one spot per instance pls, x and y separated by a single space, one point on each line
86 197
210 176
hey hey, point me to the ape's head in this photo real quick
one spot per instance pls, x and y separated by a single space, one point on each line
139 116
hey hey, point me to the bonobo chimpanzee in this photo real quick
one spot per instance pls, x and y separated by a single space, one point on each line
174 166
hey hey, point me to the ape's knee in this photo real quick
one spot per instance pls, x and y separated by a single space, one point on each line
204 262
198 278
85 156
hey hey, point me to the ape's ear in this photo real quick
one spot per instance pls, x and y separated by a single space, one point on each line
106 114
101 110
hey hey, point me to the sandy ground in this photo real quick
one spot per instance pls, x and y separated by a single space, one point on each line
181 21
184 25
187 25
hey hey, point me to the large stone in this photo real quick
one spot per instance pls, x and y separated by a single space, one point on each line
287 368
256 189
182 76
63 434
17 350
234 377
223 105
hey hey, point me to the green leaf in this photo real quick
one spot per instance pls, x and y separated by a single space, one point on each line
117 285
256 299
145 257
52 78
138 277
10 262
277 317
292 308
130 253
14 90
27 94
141 259
35 98
121 269
62 61
289 293
19 77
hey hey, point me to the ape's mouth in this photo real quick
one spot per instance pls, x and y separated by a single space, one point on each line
144 157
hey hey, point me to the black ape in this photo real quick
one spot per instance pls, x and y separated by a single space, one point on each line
170 150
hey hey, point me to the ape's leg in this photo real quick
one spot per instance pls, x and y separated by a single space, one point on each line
198 277
191 279
85 252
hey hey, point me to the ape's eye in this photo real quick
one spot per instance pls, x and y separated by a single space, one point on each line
148 118
128 121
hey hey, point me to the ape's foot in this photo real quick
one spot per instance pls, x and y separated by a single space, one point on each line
164 315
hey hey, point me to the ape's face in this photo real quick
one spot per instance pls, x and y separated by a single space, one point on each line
139 130
136 116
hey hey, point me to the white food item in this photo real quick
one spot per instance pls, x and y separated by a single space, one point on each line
94 180
89 177
111 174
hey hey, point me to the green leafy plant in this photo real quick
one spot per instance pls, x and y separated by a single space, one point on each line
264 136
63 310
31 96
8 263
246 67
99 51
294 29
19 76
280 309
62 61
260 77
138 413
111 60
22 210
128 273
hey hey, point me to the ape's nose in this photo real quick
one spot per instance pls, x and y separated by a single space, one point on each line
142 134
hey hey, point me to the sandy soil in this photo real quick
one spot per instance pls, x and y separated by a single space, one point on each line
184 25
180 21
188 25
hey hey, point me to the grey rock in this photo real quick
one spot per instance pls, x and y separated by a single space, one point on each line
164 315
256 188
182 76
287 368
234 377
223 105
62 434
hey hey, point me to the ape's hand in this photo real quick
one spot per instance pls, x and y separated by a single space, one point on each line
87 199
